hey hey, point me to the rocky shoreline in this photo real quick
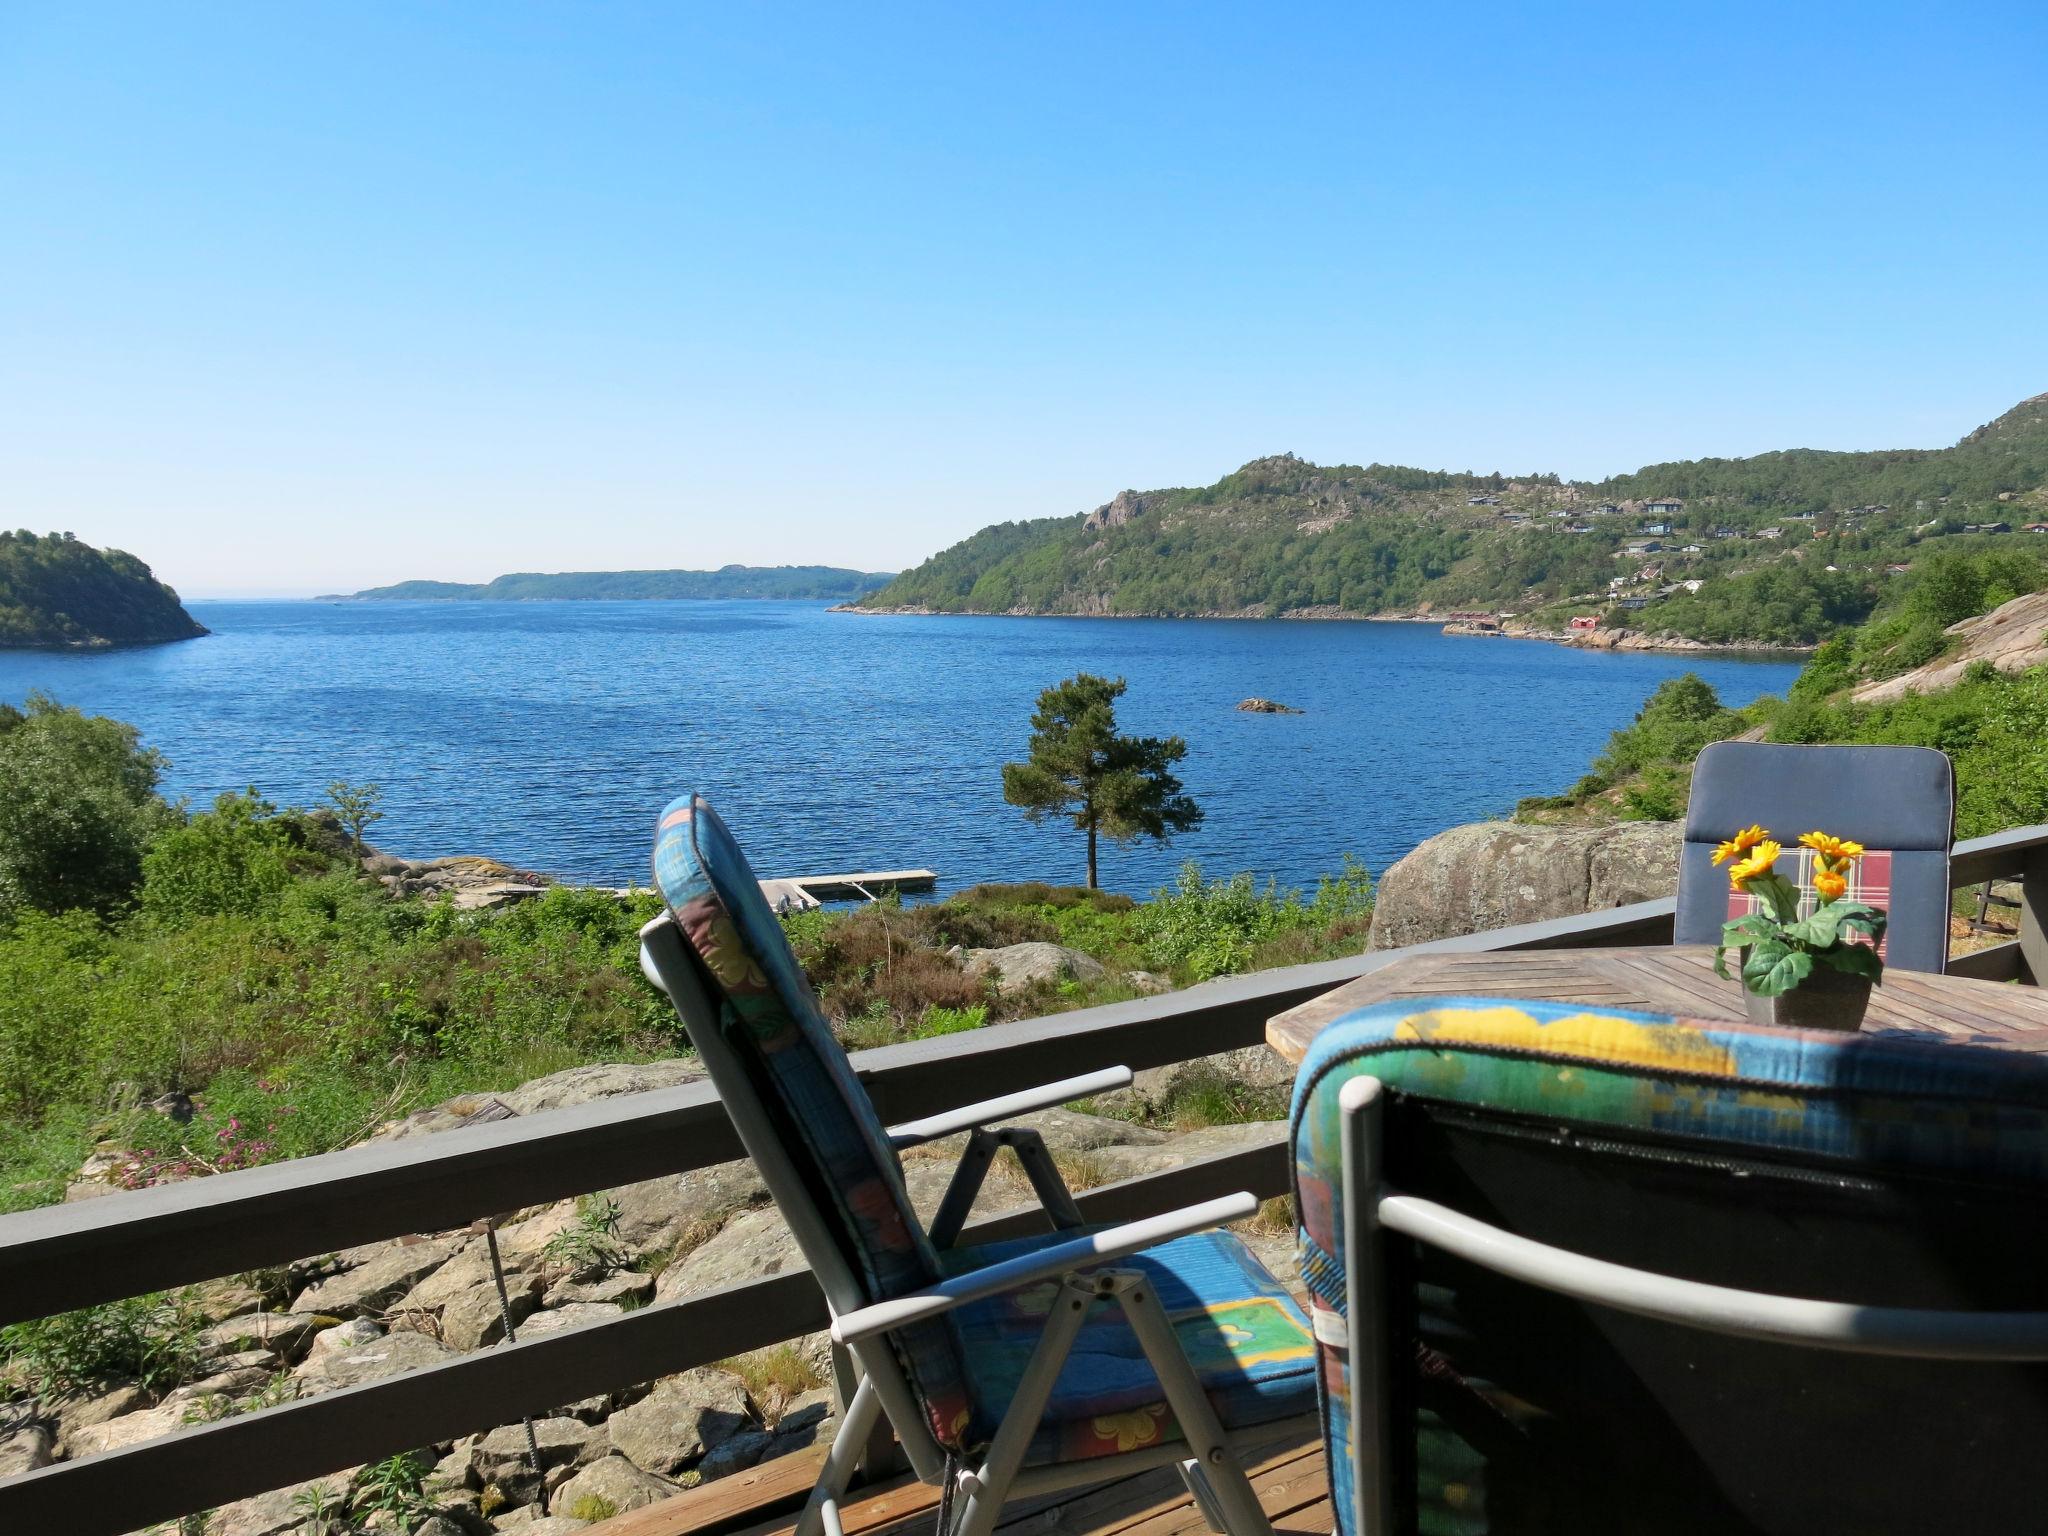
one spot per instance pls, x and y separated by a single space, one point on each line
1590 640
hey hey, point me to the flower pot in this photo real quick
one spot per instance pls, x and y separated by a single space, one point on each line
1827 999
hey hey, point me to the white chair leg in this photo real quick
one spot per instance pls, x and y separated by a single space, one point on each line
1229 1488
821 1510
988 1485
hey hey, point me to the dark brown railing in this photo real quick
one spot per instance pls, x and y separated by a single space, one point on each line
69 1256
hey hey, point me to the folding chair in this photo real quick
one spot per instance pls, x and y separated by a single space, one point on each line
1004 1369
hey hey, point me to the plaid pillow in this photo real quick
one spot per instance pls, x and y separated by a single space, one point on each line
1870 882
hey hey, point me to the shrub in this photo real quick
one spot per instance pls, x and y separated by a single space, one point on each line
151 1339
234 859
78 804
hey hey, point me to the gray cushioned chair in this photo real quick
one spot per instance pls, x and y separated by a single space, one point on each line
1896 801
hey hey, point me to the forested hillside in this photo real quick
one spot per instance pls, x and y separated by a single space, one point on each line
55 590
788 582
1783 547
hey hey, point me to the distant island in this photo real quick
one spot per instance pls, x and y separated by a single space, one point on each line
785 582
1778 549
56 591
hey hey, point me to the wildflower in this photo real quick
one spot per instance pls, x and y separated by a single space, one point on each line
1762 857
1835 852
1740 844
1830 885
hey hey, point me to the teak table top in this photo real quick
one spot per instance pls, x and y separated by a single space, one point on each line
1678 980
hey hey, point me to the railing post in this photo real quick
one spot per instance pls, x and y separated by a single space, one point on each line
2034 917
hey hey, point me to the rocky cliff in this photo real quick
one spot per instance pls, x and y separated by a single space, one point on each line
2011 638
1495 873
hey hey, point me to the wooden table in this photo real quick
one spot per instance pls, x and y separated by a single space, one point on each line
1678 980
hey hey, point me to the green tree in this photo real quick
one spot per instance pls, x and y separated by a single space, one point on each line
356 806
78 804
1119 787
235 858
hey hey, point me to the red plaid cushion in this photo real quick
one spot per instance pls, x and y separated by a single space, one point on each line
1870 882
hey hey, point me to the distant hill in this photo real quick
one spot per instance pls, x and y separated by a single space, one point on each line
787 582
1282 536
55 591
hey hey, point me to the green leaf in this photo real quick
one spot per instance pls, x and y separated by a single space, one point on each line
1755 926
1818 931
1856 959
1775 968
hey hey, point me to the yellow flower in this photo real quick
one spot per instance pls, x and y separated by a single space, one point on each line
1830 885
1739 844
1140 1426
1835 852
1761 858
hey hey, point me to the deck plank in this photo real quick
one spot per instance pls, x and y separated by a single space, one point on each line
761 1502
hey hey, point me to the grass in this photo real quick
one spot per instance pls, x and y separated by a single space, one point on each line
774 1377
1203 1095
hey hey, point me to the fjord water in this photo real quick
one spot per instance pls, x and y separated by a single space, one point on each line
550 734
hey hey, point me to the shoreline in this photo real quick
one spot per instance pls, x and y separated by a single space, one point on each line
1584 640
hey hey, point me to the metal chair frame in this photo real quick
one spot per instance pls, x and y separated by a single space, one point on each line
1208 1457
1371 1211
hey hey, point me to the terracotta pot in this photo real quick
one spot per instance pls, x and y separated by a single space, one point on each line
1827 999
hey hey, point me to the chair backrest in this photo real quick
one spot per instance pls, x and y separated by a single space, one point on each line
1862 1169
795 1101
1898 802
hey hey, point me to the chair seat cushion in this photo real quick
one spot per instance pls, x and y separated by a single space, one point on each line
1248 1341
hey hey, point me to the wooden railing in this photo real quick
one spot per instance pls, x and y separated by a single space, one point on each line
69 1256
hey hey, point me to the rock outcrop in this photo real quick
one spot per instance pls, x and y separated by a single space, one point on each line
1493 874
383 1308
473 883
1019 967
2011 637
1267 707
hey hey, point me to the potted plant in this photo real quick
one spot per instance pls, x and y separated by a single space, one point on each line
1807 960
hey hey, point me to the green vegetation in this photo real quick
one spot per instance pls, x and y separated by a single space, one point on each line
192 993
1285 536
1790 604
56 591
154 1340
1119 787
788 582
1992 724
78 804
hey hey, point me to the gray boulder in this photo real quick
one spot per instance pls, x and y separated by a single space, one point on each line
374 1285
282 1509
369 1361
1495 874
25 1441
682 1419
614 1482
1018 967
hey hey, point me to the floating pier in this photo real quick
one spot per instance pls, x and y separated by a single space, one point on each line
802 893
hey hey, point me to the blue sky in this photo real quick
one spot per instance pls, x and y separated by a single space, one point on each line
297 298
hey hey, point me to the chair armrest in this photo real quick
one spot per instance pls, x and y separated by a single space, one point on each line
915 1133
1046 1264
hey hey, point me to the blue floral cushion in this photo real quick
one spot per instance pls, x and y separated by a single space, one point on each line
1246 1338
769 1015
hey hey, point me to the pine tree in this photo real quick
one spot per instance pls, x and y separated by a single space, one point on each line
1119 787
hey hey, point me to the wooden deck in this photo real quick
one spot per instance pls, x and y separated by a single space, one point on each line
764 1501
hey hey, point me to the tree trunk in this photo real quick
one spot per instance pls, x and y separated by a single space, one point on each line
1091 855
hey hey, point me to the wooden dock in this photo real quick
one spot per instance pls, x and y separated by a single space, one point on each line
802 893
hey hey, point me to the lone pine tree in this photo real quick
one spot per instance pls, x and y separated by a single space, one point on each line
1119 787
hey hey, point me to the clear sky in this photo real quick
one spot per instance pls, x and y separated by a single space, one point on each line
298 297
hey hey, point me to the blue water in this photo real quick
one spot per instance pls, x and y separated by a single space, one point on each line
549 734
